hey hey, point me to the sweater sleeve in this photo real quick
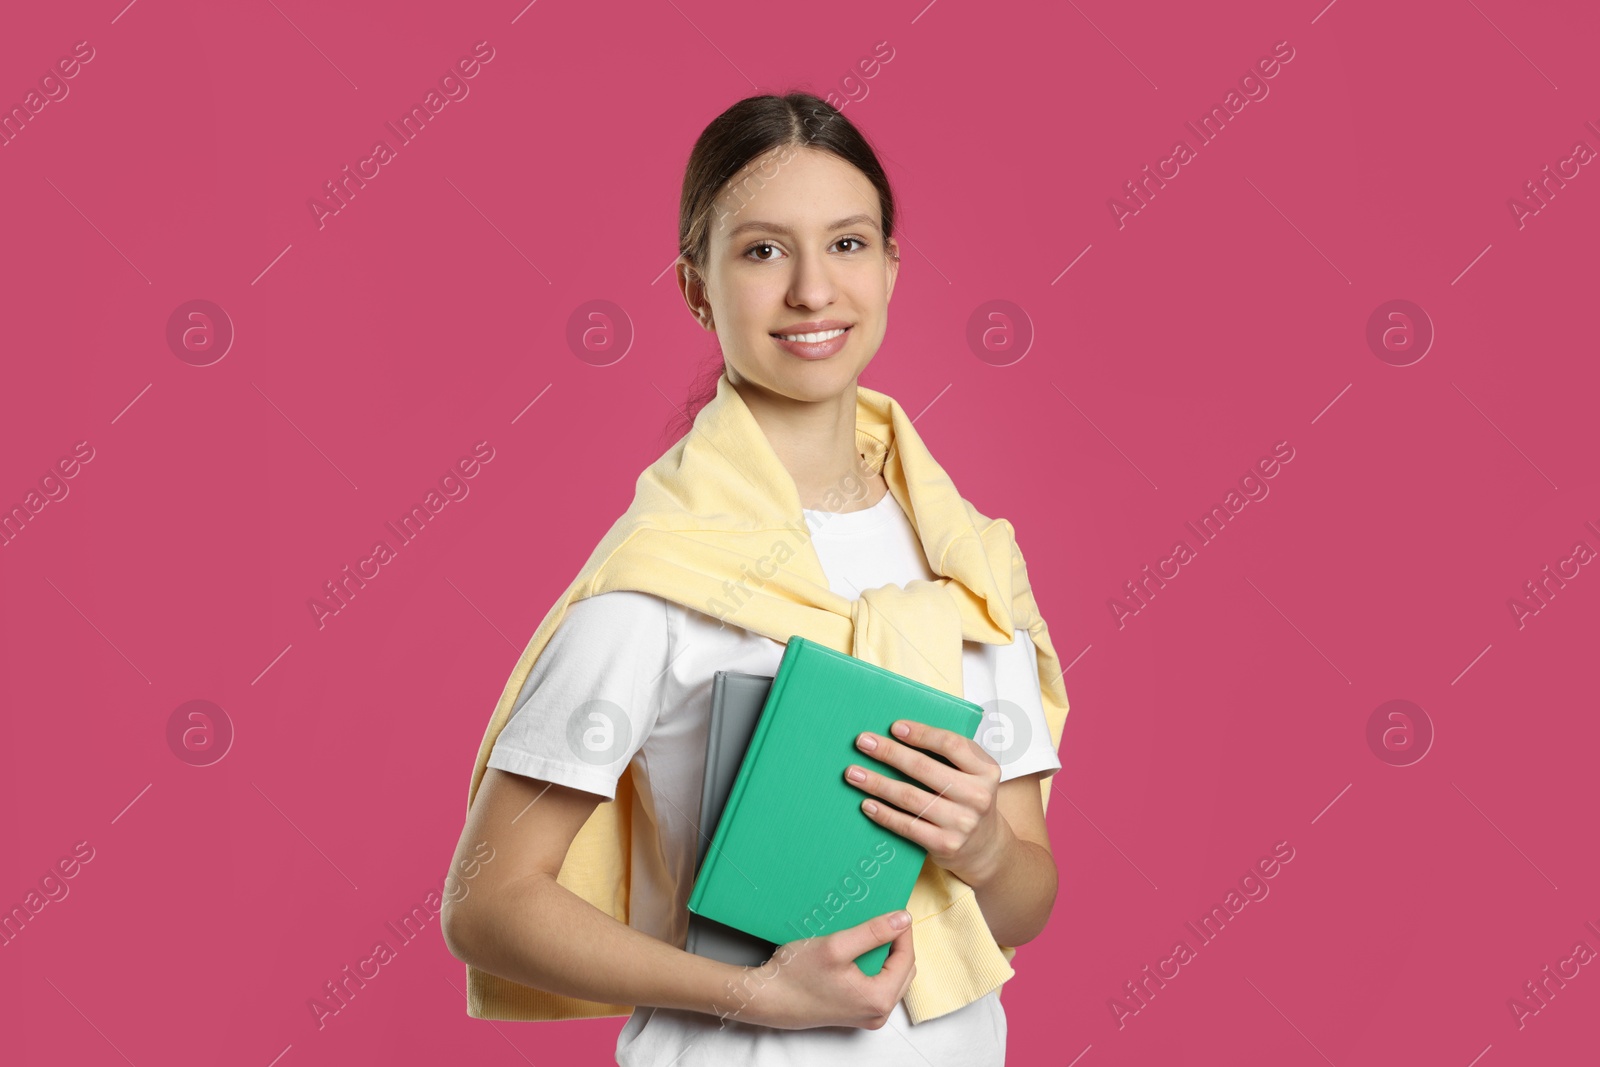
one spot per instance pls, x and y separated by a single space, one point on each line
592 697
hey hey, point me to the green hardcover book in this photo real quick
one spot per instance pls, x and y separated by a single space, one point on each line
794 856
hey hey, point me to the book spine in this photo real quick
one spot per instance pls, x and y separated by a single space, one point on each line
704 874
713 750
711 868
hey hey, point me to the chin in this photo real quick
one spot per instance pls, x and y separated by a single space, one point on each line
817 381
807 381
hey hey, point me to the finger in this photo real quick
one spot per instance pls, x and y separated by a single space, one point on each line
905 796
939 778
965 755
901 963
964 752
918 831
864 937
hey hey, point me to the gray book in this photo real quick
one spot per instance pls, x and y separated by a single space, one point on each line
736 702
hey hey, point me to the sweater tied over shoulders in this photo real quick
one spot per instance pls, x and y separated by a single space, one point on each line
716 525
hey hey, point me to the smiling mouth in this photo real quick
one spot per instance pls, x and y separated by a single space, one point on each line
811 338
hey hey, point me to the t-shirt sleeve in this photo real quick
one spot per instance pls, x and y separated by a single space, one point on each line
593 695
1015 731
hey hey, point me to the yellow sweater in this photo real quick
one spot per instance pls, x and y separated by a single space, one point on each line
716 525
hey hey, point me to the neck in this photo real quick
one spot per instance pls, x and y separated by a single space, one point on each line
816 443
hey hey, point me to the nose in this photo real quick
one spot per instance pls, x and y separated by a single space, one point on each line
812 284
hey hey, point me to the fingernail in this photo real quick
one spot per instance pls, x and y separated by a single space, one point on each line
856 774
900 920
867 742
901 729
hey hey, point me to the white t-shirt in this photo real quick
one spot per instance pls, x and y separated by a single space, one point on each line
626 682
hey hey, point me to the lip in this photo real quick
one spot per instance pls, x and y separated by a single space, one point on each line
816 326
817 350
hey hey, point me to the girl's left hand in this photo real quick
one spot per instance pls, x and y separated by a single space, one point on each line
956 818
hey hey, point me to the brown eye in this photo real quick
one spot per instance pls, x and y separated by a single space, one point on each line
763 244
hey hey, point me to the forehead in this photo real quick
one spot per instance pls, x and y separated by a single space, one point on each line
795 189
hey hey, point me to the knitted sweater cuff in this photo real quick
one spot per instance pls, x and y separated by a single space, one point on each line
948 975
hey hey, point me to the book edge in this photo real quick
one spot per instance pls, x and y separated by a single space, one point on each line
731 807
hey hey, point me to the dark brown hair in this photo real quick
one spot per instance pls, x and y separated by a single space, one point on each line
751 128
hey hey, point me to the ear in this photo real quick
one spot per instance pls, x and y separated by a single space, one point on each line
693 289
891 265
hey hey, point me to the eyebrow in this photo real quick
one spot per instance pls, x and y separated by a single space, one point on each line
773 227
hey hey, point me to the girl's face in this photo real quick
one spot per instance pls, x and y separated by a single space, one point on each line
795 247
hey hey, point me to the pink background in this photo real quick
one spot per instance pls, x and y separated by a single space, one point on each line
1229 314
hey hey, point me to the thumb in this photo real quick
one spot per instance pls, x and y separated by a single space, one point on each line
878 930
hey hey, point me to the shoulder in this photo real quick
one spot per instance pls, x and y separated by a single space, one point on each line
613 623
617 606
611 646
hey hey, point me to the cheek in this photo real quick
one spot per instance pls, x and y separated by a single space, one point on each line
755 305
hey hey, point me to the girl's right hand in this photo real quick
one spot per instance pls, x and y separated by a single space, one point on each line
815 981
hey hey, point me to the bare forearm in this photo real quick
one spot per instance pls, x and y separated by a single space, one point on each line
1018 893
538 933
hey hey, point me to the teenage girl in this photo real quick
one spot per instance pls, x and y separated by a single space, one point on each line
788 257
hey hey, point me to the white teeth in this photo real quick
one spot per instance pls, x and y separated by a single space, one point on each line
811 338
